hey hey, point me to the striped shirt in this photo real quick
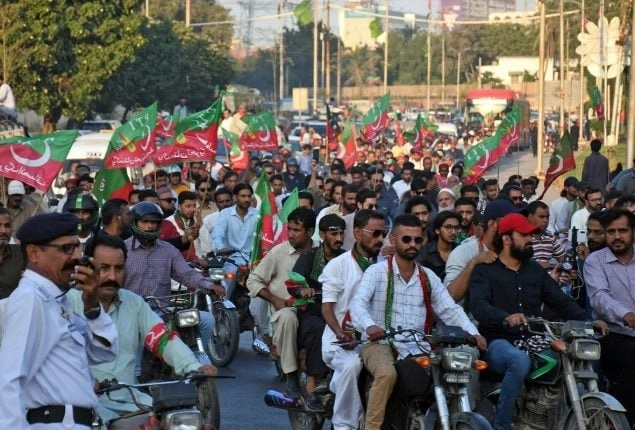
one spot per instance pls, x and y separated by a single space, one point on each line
547 246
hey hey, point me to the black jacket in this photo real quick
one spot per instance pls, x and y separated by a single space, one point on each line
496 292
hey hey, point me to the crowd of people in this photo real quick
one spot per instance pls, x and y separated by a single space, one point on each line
394 240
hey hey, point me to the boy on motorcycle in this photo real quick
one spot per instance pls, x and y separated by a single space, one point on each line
400 293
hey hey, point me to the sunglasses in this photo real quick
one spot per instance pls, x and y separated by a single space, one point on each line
203 189
407 239
66 248
516 199
169 200
377 233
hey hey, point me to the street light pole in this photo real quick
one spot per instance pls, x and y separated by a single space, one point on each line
630 141
188 8
386 49
443 68
561 72
315 55
541 91
582 91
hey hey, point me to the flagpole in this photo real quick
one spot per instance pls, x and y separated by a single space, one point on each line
315 55
541 91
386 49
630 122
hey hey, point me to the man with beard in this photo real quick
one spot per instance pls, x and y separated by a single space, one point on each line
134 320
347 202
609 275
11 259
267 281
310 320
204 244
20 209
594 200
490 192
421 207
399 292
387 200
46 347
340 280
167 201
115 216
403 185
365 199
563 207
204 193
501 295
184 224
435 253
465 207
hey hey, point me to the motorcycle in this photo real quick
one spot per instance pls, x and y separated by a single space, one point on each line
415 404
182 315
561 391
175 404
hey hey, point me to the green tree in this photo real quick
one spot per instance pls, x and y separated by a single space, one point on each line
173 62
67 50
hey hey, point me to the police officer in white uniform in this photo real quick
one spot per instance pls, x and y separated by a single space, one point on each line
45 349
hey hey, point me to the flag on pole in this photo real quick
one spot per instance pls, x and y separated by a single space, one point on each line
332 130
376 119
303 12
376 29
260 134
347 147
291 203
238 160
598 105
560 162
422 128
264 233
132 143
112 184
195 138
36 161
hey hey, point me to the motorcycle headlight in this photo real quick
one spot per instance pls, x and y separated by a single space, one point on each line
185 419
187 318
217 274
457 361
584 349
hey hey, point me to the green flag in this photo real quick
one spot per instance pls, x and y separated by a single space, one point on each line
375 28
111 184
303 13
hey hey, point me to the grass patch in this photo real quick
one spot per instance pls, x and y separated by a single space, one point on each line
616 154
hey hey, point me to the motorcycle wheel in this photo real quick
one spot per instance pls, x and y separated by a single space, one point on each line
223 345
305 421
469 421
599 417
208 403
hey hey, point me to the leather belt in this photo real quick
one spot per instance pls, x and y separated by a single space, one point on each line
55 414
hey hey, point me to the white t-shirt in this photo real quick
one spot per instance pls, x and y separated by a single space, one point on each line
6 96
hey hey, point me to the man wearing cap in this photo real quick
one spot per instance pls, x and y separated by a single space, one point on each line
563 207
292 177
502 294
473 250
46 348
20 209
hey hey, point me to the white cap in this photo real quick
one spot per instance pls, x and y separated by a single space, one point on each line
15 187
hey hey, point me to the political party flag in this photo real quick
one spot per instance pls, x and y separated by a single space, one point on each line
376 119
112 184
399 138
36 161
347 147
165 127
509 131
332 130
598 105
132 143
260 134
376 29
238 159
422 128
195 138
291 203
560 162
303 12
263 239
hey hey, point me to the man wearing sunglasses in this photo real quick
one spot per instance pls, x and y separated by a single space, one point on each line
399 292
340 279
167 201
46 348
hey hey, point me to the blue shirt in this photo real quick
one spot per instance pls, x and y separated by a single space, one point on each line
46 350
232 231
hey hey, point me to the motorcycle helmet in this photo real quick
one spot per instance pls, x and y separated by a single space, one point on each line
145 211
172 169
84 202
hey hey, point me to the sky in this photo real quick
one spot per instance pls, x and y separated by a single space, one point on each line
265 31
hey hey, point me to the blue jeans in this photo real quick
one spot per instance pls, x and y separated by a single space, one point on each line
504 358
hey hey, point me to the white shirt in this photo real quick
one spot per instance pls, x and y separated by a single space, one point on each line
560 214
408 310
460 257
46 350
401 187
340 279
204 244
6 96
579 219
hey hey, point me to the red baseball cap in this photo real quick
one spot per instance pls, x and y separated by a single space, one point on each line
516 222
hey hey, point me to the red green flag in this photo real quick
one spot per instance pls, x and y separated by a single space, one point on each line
422 128
347 151
332 130
290 204
165 127
479 158
560 162
195 138
263 191
264 232
132 143
260 134
36 161
238 160
376 119
112 184
598 105
399 139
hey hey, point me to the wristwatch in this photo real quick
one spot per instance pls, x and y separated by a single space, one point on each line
93 313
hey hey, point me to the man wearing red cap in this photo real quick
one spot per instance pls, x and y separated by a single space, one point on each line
501 295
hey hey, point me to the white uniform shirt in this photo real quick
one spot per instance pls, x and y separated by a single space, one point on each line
46 350
340 279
